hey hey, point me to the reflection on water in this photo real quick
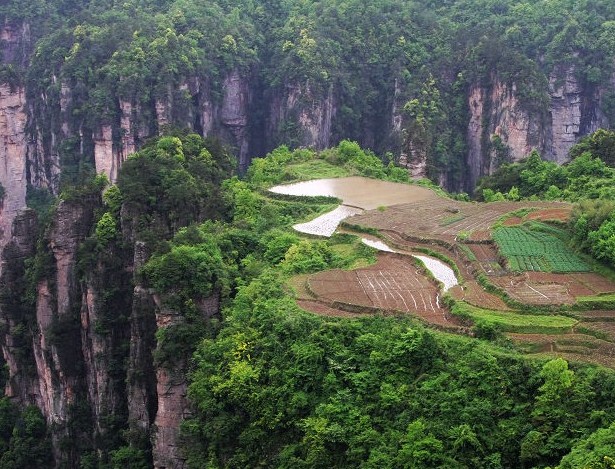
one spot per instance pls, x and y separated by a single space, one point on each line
377 245
358 191
440 271
325 225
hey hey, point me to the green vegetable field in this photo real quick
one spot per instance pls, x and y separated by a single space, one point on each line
526 249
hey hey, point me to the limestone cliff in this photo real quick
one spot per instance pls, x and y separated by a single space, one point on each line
504 128
80 338
302 117
13 146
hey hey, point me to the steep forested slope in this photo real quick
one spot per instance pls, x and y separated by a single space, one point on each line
452 88
104 298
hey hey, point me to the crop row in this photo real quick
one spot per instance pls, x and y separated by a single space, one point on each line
536 251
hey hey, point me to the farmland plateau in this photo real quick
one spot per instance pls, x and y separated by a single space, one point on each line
519 279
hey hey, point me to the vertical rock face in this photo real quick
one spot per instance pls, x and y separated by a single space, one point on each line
13 150
574 113
16 350
315 119
142 380
497 110
234 114
107 156
306 114
475 134
57 344
513 124
497 113
14 42
172 390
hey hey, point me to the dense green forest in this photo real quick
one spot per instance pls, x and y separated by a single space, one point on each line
425 56
269 384
274 386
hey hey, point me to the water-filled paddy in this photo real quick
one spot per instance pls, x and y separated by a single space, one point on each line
358 191
325 225
441 272
359 194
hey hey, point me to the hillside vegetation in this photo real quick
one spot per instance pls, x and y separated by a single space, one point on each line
419 58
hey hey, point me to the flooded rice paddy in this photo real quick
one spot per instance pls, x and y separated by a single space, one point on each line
358 191
359 194
441 272
325 225
377 245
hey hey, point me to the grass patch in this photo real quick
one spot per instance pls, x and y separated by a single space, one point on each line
468 252
515 322
313 169
360 229
519 213
452 219
606 301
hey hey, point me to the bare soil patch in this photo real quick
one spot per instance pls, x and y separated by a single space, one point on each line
321 309
512 221
561 214
573 347
606 328
544 288
472 292
597 315
393 284
527 291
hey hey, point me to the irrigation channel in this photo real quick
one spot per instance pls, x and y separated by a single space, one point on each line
359 194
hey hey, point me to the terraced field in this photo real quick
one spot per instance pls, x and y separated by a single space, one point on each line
393 284
516 273
446 219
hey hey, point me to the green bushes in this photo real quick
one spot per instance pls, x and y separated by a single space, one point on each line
187 271
175 180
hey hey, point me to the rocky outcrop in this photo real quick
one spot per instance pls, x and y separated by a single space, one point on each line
57 341
303 116
172 391
476 104
108 156
574 113
502 128
142 380
15 39
13 149
234 114
15 339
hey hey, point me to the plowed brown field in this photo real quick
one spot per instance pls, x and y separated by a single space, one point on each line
393 284
446 219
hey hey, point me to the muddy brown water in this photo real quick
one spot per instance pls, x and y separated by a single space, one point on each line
358 191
